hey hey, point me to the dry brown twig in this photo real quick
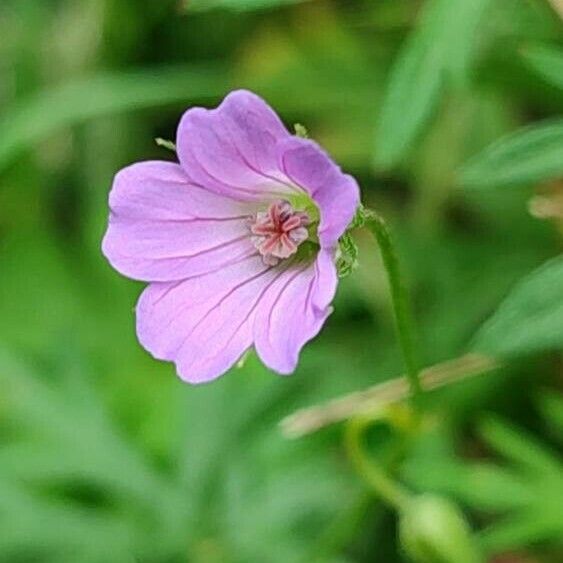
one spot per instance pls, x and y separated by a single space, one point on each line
374 399
557 6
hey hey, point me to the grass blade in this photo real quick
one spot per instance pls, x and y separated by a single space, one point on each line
35 119
529 155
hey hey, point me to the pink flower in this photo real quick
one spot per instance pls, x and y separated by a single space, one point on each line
237 241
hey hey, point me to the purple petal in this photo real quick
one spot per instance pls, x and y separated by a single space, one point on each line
232 149
204 324
293 311
336 194
164 228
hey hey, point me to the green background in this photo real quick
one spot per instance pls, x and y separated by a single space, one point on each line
446 111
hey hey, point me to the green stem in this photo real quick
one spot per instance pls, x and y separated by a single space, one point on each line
389 491
399 298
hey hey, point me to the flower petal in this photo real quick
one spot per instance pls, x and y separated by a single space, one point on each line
164 228
204 324
293 311
336 194
232 149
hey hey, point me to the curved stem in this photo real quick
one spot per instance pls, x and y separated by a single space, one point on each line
399 297
389 491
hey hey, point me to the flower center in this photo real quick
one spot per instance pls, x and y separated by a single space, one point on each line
278 232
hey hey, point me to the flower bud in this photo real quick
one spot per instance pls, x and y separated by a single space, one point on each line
433 530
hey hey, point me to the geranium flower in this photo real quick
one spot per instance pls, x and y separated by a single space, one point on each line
237 241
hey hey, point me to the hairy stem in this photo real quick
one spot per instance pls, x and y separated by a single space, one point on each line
399 298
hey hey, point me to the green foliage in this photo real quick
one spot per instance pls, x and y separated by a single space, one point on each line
236 4
106 94
70 444
541 517
529 155
547 62
527 493
438 53
551 406
104 454
530 319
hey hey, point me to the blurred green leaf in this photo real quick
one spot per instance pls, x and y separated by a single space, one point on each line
551 405
525 495
412 93
440 50
35 119
481 485
522 450
104 455
67 442
547 62
542 518
531 154
530 319
240 5
43 526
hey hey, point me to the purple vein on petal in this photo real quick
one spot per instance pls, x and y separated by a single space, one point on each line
279 296
310 289
294 188
253 308
233 262
240 189
195 254
221 301
175 284
134 220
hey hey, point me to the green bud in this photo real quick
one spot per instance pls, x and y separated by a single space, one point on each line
166 144
433 530
301 131
242 360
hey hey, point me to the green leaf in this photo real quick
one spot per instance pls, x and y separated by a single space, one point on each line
56 527
522 530
240 5
524 491
35 119
531 318
523 450
541 519
551 406
404 113
547 62
484 486
531 154
67 441
439 50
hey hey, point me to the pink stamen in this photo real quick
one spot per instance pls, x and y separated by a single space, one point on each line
278 232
